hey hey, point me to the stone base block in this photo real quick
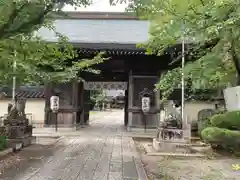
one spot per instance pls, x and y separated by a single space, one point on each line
15 145
21 142
16 122
2 130
28 141
29 129
16 131
173 146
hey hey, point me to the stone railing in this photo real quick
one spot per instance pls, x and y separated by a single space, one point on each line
170 134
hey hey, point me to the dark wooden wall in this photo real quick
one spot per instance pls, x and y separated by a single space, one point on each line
70 103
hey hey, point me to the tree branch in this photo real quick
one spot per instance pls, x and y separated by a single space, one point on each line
236 61
208 45
202 2
27 26
11 18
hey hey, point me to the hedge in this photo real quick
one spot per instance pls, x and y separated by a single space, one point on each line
202 124
3 142
227 139
228 120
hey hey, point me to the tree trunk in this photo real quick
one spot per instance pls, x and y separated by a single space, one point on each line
236 61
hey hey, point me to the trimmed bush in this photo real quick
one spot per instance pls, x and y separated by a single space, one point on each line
227 139
3 142
229 120
202 124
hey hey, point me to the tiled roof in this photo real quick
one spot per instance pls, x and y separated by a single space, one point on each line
98 15
99 31
30 94
25 92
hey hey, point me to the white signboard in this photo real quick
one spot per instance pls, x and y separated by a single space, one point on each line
145 104
105 85
54 103
232 98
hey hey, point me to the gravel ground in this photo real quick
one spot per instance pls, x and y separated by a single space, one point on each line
188 168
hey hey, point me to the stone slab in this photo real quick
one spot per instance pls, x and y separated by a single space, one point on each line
175 154
171 146
5 152
129 170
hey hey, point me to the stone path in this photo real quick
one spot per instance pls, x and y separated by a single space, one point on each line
98 152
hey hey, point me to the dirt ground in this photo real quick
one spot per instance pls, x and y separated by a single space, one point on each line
187 168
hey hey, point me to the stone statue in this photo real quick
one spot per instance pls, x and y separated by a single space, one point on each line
172 113
12 111
17 108
16 126
16 113
170 126
20 106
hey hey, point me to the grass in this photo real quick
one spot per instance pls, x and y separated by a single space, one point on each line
93 112
3 143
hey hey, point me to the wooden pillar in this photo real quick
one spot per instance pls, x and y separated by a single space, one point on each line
75 107
130 100
81 103
126 108
86 106
48 92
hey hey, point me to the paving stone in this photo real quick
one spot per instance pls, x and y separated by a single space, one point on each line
98 152
115 176
129 170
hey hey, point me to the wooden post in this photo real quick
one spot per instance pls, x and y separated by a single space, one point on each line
48 93
81 102
86 106
126 108
75 101
130 100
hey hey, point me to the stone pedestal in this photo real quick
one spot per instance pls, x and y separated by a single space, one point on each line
171 140
19 133
171 146
2 130
15 131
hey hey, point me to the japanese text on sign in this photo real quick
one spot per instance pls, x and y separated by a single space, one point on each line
54 103
145 104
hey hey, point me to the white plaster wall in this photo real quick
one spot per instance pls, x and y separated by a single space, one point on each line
115 93
192 108
33 106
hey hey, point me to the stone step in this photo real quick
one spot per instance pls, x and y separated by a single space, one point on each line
150 151
183 143
176 154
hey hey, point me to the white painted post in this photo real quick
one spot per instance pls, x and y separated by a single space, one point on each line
130 98
183 64
54 105
14 77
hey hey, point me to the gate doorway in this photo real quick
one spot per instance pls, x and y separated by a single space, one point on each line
105 96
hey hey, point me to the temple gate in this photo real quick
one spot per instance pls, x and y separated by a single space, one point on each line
128 67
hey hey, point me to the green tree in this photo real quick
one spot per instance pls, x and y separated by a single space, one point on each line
25 16
211 30
37 61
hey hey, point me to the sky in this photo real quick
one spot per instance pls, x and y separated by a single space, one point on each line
99 6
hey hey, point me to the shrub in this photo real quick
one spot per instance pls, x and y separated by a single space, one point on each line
227 139
3 142
229 120
202 124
